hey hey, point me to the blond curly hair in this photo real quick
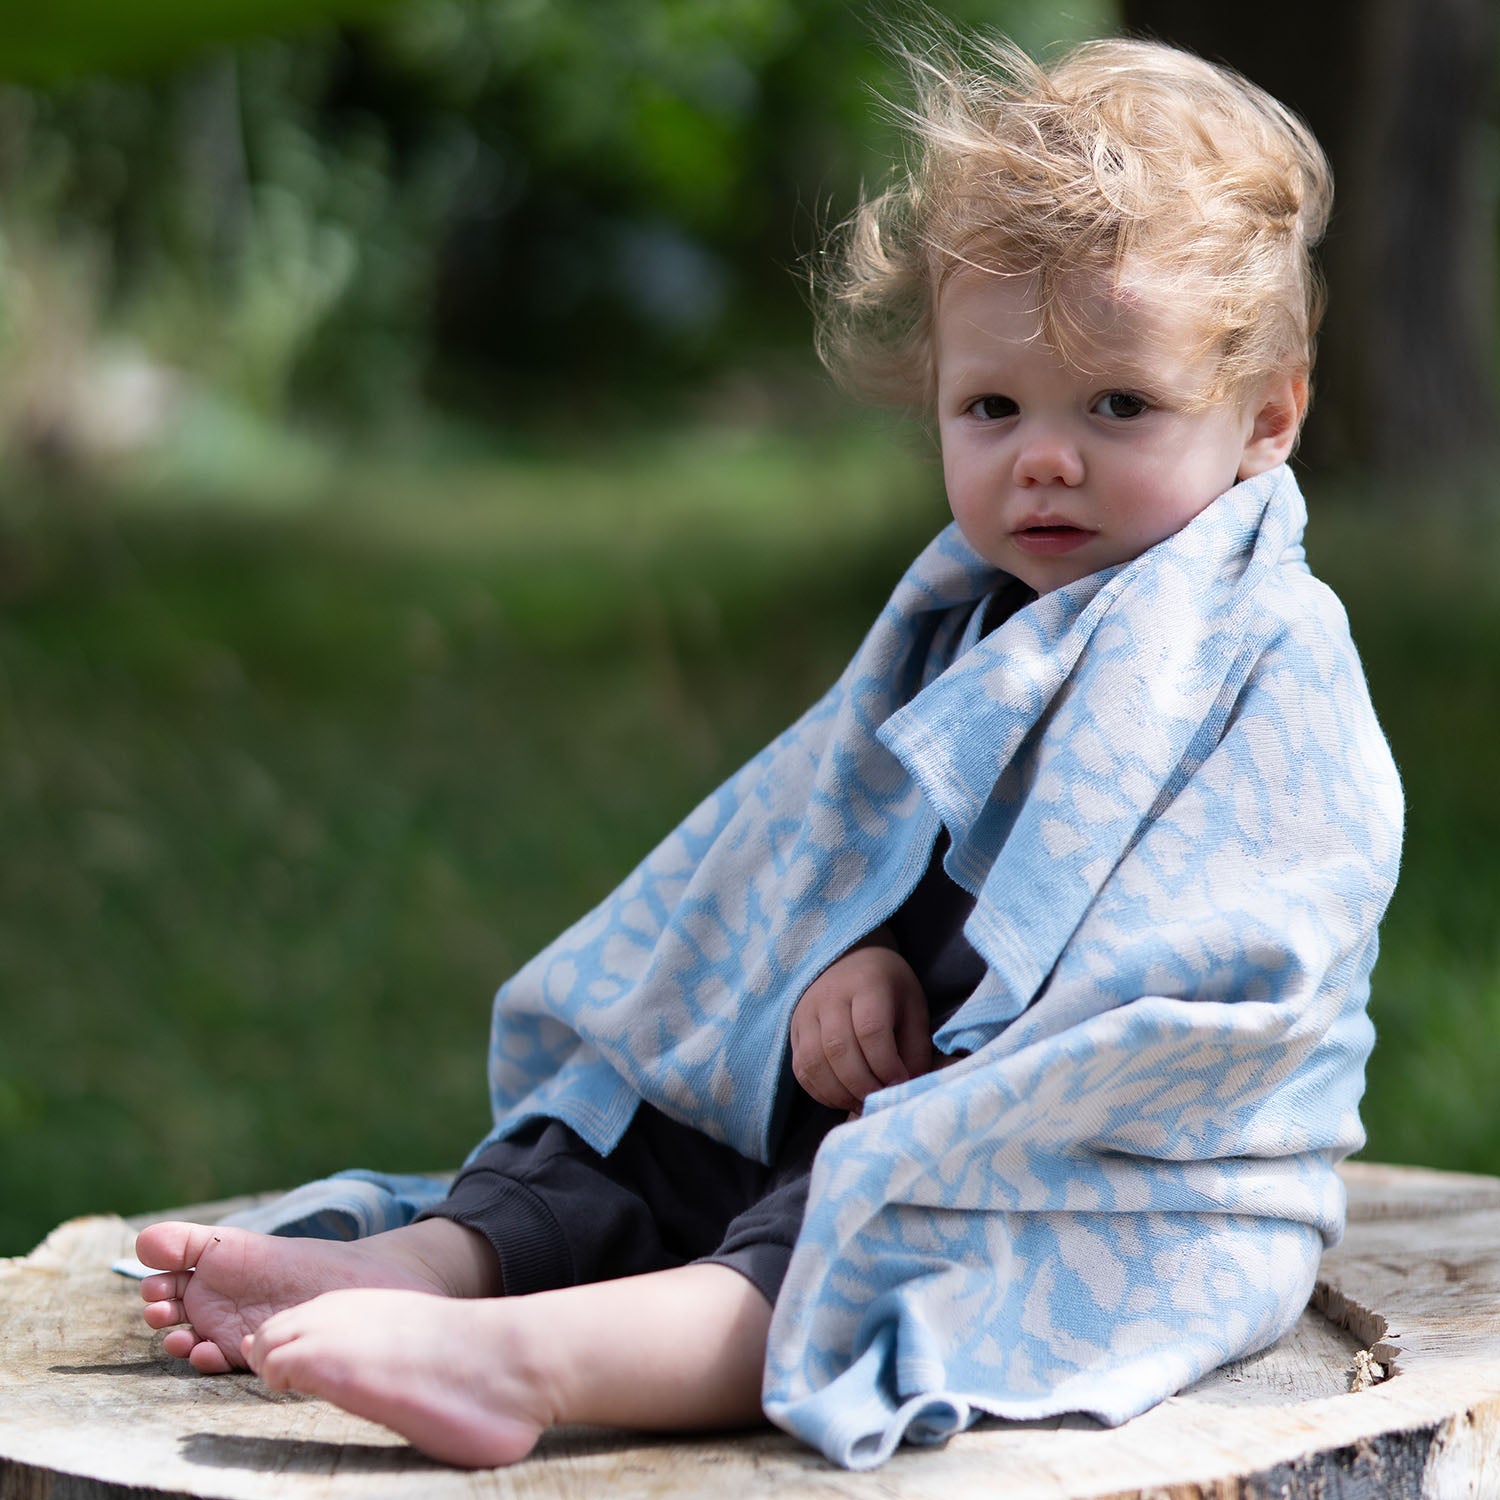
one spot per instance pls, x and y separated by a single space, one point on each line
1124 165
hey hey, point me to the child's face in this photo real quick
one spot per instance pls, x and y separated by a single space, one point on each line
1054 472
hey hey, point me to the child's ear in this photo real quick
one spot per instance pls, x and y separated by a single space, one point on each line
1277 419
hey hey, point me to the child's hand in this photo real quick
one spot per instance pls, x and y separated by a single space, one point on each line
861 1025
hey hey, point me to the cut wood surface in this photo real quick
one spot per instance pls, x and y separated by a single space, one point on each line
1388 1387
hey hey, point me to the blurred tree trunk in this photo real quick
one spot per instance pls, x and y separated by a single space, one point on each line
1401 93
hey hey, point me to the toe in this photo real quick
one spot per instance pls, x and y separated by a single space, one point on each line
164 1314
172 1245
165 1286
180 1342
209 1359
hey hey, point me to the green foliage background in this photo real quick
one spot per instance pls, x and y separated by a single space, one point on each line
496 204
453 559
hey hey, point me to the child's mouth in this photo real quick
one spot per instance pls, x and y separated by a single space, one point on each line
1051 539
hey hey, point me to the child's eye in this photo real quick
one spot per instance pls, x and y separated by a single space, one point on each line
993 408
1121 405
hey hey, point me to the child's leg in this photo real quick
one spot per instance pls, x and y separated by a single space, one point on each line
224 1282
544 1207
477 1383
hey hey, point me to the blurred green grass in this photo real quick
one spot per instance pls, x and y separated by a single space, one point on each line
1419 571
289 784
287 788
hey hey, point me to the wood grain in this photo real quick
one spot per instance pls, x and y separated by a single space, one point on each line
91 1410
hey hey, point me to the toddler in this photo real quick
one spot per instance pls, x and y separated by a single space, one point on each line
986 1045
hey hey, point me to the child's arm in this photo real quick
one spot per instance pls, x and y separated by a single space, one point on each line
861 1025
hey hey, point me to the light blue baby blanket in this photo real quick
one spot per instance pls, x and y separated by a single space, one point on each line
1168 792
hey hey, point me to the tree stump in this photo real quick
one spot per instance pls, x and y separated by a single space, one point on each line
1388 1387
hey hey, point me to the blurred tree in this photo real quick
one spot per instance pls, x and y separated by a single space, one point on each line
1402 94
73 38
497 202
645 177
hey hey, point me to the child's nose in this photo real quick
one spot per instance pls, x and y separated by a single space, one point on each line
1048 456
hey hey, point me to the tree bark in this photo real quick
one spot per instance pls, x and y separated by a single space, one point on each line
1402 95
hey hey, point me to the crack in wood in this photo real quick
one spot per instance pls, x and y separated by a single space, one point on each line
1369 1327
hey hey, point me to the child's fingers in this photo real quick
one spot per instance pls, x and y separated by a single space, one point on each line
819 1083
914 1036
811 1069
872 1020
844 1052
835 1072
809 1064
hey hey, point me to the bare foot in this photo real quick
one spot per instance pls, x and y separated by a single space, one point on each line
223 1283
457 1380
476 1383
